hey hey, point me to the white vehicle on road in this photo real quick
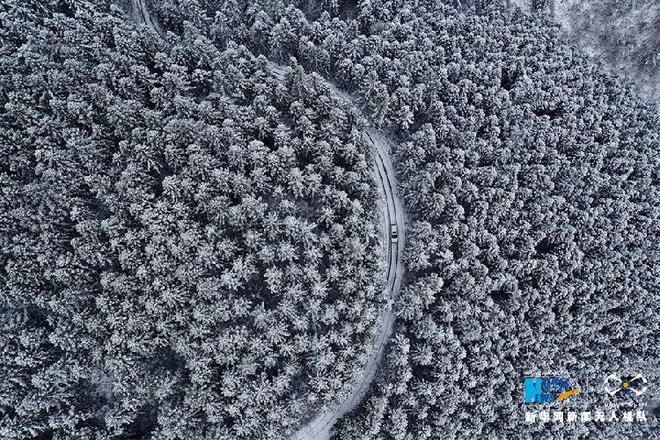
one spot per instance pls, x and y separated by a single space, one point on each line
394 233
321 426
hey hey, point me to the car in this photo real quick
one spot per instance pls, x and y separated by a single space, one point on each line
394 234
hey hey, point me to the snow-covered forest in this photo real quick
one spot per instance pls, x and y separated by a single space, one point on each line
184 241
623 35
191 248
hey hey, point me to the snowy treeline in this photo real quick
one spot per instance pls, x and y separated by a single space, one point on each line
189 249
532 180
624 35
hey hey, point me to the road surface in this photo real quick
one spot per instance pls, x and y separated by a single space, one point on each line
320 427
141 14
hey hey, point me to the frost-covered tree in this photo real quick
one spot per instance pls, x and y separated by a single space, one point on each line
167 267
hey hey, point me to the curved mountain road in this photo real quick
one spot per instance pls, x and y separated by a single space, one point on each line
141 15
320 427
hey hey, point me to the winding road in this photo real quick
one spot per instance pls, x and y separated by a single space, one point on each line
141 14
319 428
